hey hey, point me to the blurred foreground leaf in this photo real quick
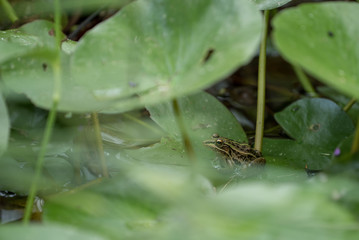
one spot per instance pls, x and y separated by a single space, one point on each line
48 231
164 203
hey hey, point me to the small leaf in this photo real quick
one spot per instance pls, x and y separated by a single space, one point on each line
317 126
318 122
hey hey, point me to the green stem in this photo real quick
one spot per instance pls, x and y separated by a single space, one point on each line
56 64
9 10
99 144
261 85
347 107
39 164
355 144
186 141
304 80
58 32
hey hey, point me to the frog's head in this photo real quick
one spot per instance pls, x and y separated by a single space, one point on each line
218 144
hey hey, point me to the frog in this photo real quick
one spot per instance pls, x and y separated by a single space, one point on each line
235 153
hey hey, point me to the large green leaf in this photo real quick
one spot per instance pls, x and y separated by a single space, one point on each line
317 126
163 203
153 50
203 115
322 38
33 76
149 52
4 125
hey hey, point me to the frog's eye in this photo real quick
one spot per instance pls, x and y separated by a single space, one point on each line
219 142
215 135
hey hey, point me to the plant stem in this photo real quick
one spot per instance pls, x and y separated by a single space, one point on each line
58 27
9 10
355 144
347 107
39 164
261 85
186 141
304 80
56 64
96 124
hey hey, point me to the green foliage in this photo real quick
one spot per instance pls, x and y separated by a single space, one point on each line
151 54
53 231
154 57
159 203
317 126
341 100
204 116
322 41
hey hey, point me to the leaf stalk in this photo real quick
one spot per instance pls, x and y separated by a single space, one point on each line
261 85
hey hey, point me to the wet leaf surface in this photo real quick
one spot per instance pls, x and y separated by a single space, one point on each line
159 53
323 42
